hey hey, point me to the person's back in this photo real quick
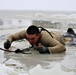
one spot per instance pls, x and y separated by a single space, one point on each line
58 37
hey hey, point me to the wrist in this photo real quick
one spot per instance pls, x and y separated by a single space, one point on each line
46 49
43 50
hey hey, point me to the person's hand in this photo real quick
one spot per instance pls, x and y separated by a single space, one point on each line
43 50
7 44
35 47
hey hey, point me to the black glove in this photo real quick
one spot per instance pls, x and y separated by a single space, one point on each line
43 50
35 47
7 44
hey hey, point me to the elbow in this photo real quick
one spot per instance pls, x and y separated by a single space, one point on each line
62 49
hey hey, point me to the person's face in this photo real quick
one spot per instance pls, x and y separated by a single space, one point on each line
33 38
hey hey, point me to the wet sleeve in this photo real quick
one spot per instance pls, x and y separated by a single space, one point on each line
17 36
56 47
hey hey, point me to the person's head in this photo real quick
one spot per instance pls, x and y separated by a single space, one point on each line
33 34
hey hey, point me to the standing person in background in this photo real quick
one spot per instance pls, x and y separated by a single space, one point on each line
44 41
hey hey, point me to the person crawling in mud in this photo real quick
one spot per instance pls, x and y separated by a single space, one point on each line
43 40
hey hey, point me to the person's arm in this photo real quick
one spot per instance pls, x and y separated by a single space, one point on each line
17 36
14 37
52 45
56 47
